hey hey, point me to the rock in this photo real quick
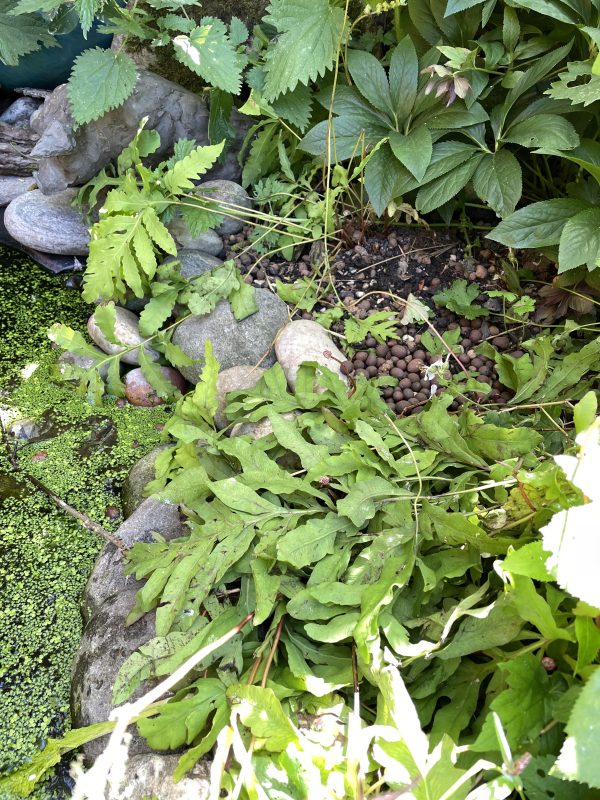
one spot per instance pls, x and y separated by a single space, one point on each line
142 472
49 224
12 186
194 263
232 380
209 242
107 579
256 430
69 155
230 195
140 392
305 340
106 643
127 332
233 342
151 776
19 112
74 360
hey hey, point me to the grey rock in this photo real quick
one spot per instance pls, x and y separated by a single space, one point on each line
142 472
256 430
74 360
246 341
105 645
151 776
49 224
194 263
232 380
209 242
127 332
13 186
19 112
70 155
108 598
107 580
305 340
229 195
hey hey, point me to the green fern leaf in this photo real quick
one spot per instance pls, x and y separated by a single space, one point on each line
158 309
182 174
112 76
21 34
105 317
114 384
158 232
208 52
153 374
311 31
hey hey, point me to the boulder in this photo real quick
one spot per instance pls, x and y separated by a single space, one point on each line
232 380
233 342
49 224
69 155
140 392
107 579
19 112
229 195
13 186
305 340
150 775
142 472
106 643
209 242
256 430
127 332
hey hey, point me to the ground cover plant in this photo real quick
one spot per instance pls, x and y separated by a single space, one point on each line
383 595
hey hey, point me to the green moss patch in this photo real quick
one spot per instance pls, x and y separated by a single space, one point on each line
45 555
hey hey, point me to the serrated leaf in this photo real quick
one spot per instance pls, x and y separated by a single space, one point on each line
208 52
414 311
381 325
579 758
580 241
498 181
243 300
158 309
310 33
459 297
543 130
295 106
20 35
113 76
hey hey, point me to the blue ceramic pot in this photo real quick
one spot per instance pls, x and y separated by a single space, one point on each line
51 66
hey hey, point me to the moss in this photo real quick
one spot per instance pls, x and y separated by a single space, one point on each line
45 555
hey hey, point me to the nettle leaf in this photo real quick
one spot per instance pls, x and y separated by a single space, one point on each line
498 181
113 76
310 32
537 225
21 34
460 298
208 52
580 241
579 758
523 707
295 106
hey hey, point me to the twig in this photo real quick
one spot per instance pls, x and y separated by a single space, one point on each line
87 523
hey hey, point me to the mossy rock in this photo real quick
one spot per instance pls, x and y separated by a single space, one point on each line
136 481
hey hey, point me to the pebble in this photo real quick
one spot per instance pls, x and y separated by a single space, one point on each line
48 223
193 263
304 340
233 342
231 195
140 392
209 242
127 332
232 380
13 186
67 359
19 112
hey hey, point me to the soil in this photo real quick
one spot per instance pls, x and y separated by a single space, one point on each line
378 273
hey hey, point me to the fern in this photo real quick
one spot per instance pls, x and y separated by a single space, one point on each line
130 237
